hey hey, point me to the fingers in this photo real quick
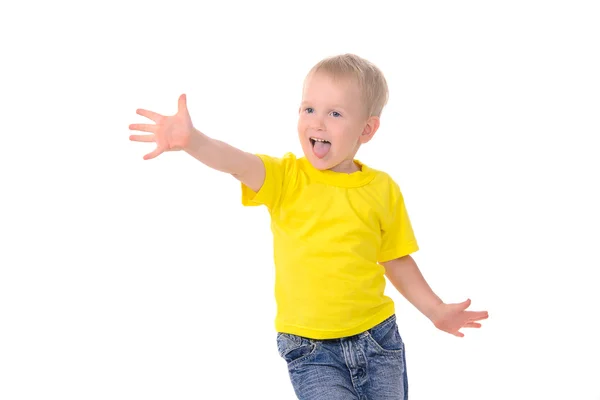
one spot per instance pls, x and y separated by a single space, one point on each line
149 114
473 315
148 128
143 127
467 325
142 138
477 315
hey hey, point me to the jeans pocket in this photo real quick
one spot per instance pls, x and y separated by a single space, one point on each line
386 338
294 348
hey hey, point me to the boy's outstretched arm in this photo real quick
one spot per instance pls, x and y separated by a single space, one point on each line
176 132
246 167
406 277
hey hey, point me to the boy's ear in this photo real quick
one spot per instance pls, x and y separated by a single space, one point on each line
369 130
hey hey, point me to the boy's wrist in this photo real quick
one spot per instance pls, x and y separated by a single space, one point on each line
433 310
197 139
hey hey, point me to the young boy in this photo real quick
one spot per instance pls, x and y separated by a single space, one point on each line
339 227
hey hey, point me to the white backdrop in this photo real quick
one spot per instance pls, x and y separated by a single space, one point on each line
129 279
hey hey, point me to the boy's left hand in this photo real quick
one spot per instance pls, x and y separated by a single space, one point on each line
452 317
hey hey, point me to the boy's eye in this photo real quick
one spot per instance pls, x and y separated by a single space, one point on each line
336 114
308 110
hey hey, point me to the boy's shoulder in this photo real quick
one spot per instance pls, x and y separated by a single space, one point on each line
381 175
386 185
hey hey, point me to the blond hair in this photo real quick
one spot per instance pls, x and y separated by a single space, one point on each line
370 79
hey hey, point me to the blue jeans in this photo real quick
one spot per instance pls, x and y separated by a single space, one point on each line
367 366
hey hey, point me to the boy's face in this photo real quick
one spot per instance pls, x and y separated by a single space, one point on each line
333 122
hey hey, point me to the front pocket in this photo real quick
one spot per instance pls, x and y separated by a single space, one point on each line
294 348
386 339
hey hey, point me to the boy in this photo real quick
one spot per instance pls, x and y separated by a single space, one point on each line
338 227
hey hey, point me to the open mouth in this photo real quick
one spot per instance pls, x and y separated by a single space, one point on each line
314 140
320 146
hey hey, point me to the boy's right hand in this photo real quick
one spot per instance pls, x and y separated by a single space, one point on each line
176 132
170 132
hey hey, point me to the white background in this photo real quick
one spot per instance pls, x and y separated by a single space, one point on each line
129 279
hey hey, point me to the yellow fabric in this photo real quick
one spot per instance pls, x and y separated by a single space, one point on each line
330 230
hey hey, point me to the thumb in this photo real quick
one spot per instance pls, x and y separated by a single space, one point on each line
182 103
465 304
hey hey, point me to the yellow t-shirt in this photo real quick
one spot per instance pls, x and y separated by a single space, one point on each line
330 230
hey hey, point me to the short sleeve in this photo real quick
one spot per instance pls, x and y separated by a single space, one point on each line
272 189
398 238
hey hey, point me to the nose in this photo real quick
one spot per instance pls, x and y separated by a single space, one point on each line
317 123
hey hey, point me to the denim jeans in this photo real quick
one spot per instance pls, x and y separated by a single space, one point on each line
367 366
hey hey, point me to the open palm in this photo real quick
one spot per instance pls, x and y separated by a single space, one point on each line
169 133
452 317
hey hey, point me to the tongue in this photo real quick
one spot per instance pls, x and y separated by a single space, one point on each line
321 149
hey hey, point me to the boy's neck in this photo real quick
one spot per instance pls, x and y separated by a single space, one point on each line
346 167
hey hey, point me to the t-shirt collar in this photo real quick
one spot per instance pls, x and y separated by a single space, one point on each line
342 179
